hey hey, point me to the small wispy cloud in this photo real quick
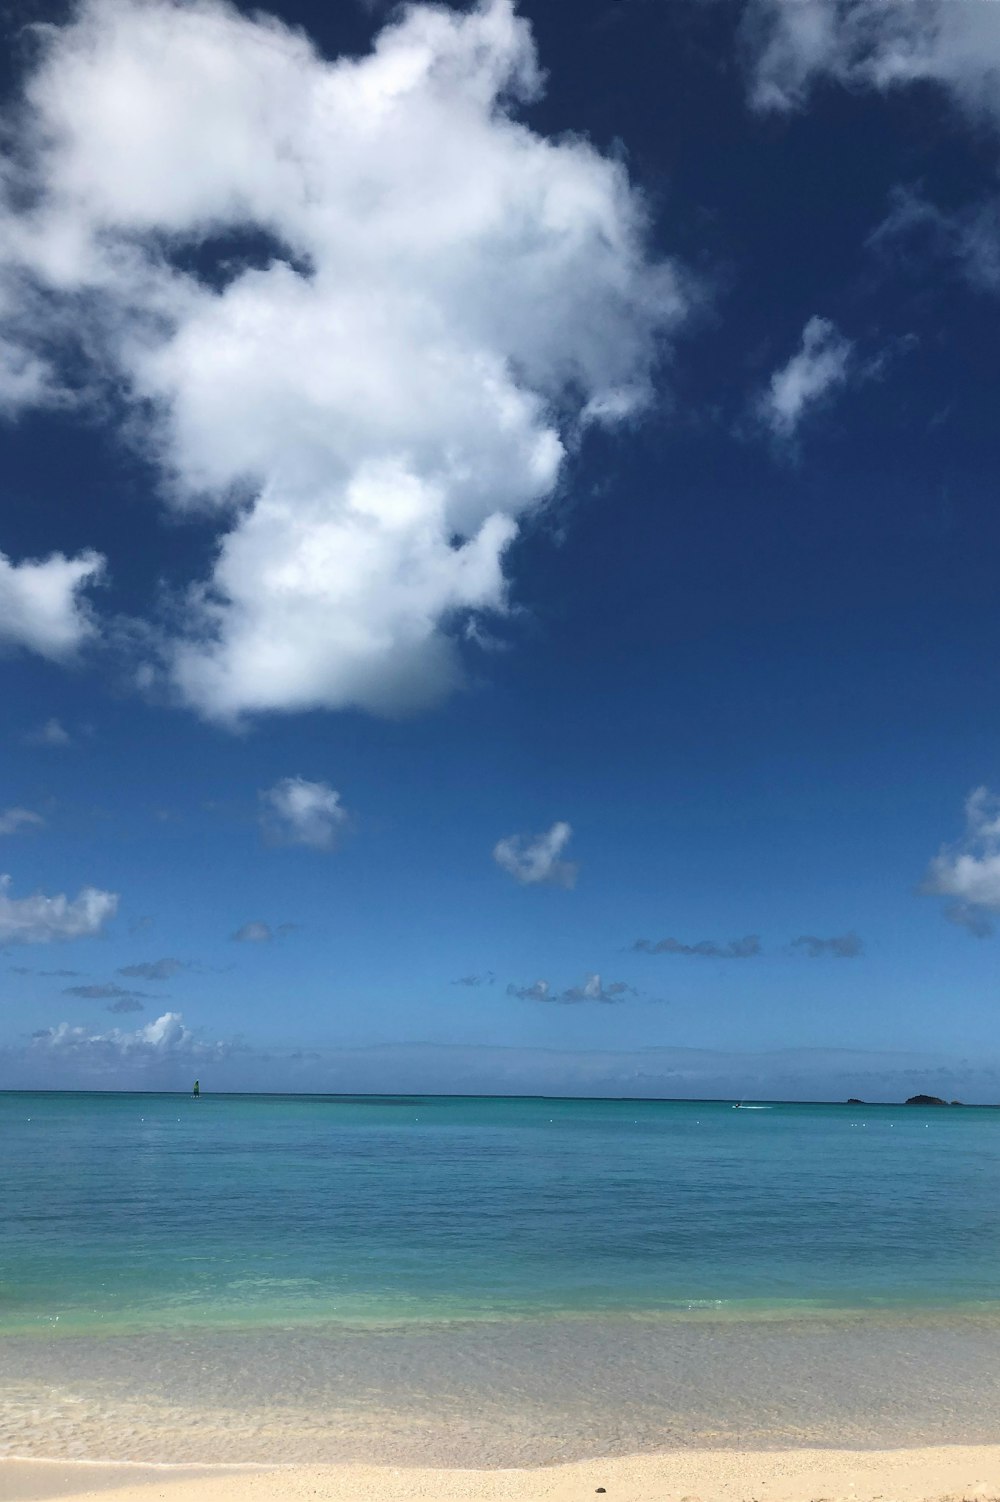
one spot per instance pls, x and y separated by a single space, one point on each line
259 932
816 370
14 819
839 946
540 990
30 970
125 1004
746 948
51 733
255 932
154 969
537 859
101 991
475 980
593 989
790 49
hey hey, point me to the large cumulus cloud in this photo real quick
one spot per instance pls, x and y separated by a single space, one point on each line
356 308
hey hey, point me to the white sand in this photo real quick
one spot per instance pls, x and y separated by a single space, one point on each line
945 1474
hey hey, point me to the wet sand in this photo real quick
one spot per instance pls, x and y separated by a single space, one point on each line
945 1474
505 1395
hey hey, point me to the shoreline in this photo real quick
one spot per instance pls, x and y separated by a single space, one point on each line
694 1314
968 1472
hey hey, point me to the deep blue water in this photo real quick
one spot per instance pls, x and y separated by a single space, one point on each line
135 1211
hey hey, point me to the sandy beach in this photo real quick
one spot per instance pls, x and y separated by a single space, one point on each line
945 1473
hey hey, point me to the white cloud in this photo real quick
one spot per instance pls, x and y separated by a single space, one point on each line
13 819
532 859
861 44
593 989
24 380
52 733
254 932
164 1038
817 369
40 920
443 295
297 812
540 990
41 604
969 872
408 1068
882 46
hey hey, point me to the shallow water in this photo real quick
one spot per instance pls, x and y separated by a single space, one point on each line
517 1392
493 1282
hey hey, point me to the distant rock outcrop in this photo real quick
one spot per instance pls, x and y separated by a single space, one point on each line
853 1101
926 1100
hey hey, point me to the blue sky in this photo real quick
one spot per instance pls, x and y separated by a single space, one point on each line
498 548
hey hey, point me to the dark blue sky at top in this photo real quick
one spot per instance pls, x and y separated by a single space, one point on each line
759 680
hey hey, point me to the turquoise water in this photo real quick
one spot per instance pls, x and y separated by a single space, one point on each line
491 1282
138 1212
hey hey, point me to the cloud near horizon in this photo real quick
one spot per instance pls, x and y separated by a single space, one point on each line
164 1040
162 1054
593 989
355 310
43 920
536 859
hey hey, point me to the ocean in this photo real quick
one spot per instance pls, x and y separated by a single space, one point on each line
491 1281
